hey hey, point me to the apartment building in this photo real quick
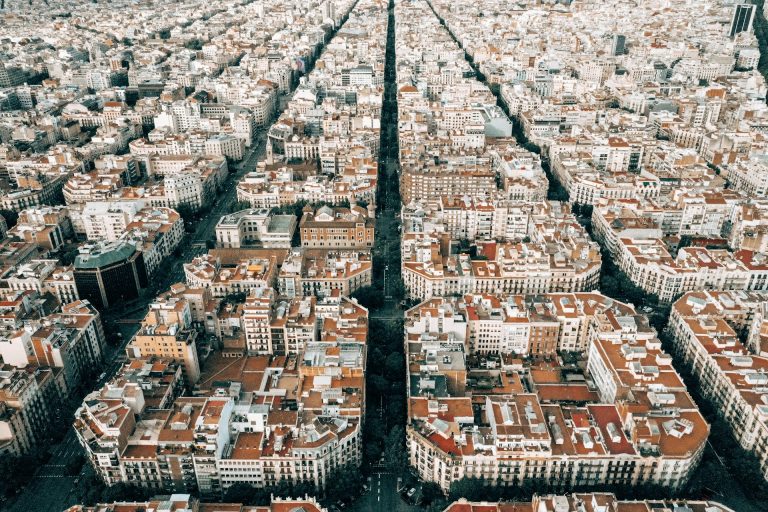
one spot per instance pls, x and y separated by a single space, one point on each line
748 226
337 228
586 185
324 272
92 186
179 502
34 275
71 340
634 238
293 325
49 227
255 227
107 419
543 249
207 271
167 332
504 268
353 179
61 283
27 400
619 416
282 326
107 220
32 192
751 176
163 228
191 143
428 181
256 320
254 419
721 337
188 180
472 218
595 501
203 306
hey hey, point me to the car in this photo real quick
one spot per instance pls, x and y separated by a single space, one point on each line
411 492
103 374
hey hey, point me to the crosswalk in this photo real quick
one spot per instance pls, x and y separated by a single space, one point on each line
66 450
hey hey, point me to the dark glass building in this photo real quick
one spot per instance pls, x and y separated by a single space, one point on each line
743 16
107 274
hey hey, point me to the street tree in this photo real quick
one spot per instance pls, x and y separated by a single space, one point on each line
395 458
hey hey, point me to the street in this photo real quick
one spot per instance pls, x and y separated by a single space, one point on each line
206 227
50 488
172 270
382 495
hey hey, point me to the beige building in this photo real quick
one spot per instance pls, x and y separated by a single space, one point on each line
337 228
579 502
27 398
634 238
186 502
96 185
707 329
425 180
324 272
47 226
256 228
167 332
247 274
531 267
253 419
542 421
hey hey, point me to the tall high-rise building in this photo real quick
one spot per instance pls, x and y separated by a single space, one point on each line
743 16
10 77
329 10
619 45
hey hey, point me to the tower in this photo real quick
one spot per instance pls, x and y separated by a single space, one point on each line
619 45
743 16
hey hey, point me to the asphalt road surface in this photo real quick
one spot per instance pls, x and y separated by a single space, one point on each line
206 227
381 496
50 489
